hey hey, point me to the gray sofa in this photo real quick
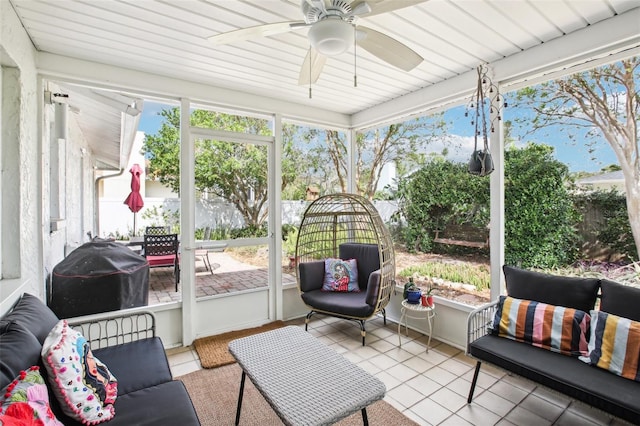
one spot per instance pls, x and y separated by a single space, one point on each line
566 374
126 344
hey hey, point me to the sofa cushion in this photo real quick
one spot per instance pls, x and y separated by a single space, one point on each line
164 404
619 299
556 328
614 345
82 384
340 275
594 386
33 315
19 349
26 398
137 365
572 292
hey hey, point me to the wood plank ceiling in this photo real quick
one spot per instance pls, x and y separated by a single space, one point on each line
169 37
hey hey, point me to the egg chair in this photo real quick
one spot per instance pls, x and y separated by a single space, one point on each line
337 229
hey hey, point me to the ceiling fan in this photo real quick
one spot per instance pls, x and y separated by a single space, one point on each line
332 30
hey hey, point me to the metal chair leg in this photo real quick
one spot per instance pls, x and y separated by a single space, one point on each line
473 382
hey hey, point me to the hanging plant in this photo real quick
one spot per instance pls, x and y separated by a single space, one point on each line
481 105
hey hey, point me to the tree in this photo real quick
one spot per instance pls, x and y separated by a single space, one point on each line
374 149
439 193
539 213
604 102
235 172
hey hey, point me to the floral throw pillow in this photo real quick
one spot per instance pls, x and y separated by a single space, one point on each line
340 275
26 401
84 386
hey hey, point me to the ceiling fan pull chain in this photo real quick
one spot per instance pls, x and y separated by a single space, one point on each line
310 66
355 59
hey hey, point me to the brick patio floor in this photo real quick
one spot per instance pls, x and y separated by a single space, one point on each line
228 276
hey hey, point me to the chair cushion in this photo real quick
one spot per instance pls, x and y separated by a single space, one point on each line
614 345
34 315
340 275
555 328
311 275
571 292
82 384
619 299
566 374
367 257
166 260
26 399
340 303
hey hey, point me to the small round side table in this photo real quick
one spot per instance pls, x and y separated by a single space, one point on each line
417 311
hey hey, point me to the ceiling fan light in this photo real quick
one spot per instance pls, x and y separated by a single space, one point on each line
331 36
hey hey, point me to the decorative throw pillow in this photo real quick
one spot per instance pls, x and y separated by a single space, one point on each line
614 345
84 386
340 275
555 328
26 400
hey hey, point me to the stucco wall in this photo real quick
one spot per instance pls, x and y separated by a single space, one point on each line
18 52
27 166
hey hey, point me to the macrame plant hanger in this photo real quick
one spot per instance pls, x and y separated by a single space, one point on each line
481 163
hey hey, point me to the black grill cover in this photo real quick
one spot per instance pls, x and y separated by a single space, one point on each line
99 276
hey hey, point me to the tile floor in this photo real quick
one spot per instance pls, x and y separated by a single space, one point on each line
431 387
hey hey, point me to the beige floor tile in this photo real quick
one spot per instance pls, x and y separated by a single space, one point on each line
180 357
369 367
416 418
485 380
455 420
552 396
431 411
402 372
590 413
448 398
366 352
405 395
440 375
478 415
461 387
446 350
414 347
494 403
455 367
389 381
520 382
185 368
400 355
418 364
424 385
382 345
522 417
569 418
433 357
541 407
509 391
383 361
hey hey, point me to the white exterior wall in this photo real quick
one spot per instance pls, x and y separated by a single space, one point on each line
17 51
36 249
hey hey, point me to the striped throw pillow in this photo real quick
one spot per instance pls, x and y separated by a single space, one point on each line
556 328
614 345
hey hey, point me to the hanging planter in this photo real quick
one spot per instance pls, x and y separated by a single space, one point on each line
481 163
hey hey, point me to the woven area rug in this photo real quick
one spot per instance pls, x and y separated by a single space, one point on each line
214 394
213 350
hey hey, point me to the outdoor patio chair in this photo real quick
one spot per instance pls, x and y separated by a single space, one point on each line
203 254
157 230
162 251
345 226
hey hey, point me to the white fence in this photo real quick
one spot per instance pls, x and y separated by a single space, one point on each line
116 218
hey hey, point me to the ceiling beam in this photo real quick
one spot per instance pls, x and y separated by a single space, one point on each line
73 70
580 47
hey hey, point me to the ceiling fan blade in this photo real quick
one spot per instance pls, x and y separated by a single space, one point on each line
384 6
255 32
388 49
311 67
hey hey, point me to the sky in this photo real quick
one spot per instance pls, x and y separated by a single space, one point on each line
574 154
